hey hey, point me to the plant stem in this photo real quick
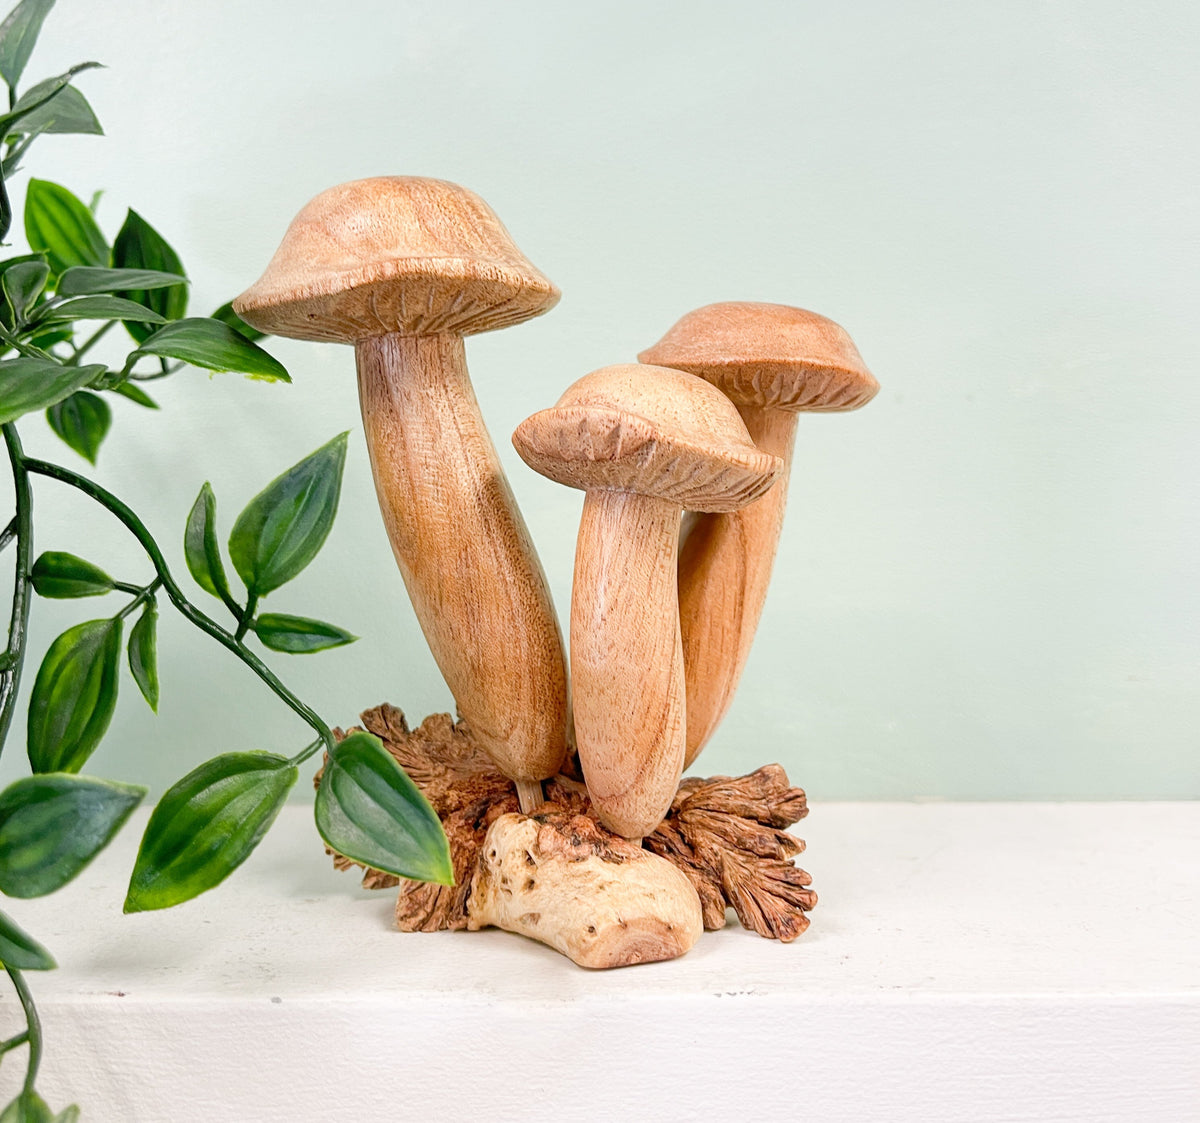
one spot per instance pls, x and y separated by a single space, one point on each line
247 617
9 532
205 623
10 672
26 349
89 343
14 1042
34 1023
307 751
143 594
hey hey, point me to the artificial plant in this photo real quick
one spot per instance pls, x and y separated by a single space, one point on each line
54 821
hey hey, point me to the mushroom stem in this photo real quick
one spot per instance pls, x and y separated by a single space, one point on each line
476 585
724 570
627 658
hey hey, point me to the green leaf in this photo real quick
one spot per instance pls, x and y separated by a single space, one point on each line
82 421
286 523
98 308
206 826
134 393
5 266
23 284
143 654
200 549
62 227
31 384
64 111
19 949
139 246
46 91
28 1107
229 317
52 826
297 635
212 345
74 696
369 810
61 575
85 280
18 34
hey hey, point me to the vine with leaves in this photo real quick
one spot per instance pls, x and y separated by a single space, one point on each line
54 821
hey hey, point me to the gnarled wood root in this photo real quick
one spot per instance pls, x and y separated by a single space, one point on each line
601 900
726 836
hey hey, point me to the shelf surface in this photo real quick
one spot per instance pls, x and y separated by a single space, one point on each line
990 961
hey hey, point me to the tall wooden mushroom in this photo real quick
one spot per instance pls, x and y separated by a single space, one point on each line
773 362
644 443
403 268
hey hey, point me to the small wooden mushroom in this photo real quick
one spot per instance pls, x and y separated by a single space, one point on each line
644 443
404 268
772 361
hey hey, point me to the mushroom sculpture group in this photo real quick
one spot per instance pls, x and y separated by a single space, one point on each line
663 611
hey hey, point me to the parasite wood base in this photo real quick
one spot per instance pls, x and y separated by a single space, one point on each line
596 897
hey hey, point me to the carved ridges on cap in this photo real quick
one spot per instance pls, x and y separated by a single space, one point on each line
652 431
395 254
768 355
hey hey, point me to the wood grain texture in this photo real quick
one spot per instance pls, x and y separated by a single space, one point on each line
773 361
725 565
463 550
404 267
395 254
645 443
727 836
627 658
599 899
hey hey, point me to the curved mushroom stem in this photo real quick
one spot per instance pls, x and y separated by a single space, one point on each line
724 570
466 557
627 658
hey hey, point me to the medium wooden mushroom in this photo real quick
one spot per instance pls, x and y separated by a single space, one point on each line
644 443
404 268
773 362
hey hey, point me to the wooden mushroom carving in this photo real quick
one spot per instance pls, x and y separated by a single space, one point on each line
644 443
404 268
773 362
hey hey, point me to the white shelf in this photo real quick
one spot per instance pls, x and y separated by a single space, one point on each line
967 961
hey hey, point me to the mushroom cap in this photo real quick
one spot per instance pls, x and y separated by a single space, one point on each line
768 355
649 430
395 254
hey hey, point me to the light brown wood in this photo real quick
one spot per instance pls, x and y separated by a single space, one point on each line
599 899
403 268
395 254
727 836
627 658
725 564
772 361
644 443
464 552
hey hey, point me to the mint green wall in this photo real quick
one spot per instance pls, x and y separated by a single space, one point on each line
987 586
